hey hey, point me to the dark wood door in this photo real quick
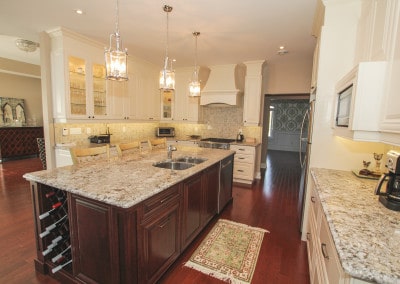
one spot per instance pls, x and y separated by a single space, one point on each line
160 244
95 259
211 191
192 208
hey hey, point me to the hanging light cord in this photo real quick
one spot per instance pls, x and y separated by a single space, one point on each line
167 9
116 18
196 34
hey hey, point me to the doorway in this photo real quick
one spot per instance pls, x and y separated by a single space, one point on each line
282 120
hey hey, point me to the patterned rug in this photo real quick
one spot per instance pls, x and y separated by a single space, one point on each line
229 252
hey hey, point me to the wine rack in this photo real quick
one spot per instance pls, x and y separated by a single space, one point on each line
54 229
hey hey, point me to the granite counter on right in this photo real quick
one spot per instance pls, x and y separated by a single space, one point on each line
351 236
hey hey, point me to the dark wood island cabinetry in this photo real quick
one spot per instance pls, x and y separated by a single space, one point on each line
112 244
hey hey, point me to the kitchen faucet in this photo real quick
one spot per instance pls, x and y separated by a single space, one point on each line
170 149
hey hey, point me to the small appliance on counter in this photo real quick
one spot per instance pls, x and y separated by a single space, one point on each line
165 131
100 139
390 198
240 136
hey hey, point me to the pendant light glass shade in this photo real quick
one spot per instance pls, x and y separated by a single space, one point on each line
116 58
194 85
167 75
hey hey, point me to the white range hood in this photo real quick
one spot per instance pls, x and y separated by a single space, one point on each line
225 85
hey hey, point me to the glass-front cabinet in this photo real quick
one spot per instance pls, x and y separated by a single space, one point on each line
167 102
87 89
99 90
77 85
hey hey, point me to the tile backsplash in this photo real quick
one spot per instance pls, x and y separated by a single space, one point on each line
221 122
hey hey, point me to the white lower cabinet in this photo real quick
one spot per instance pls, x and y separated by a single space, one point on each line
323 260
244 163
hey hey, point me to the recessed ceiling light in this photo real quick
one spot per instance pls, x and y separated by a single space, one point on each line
282 50
79 11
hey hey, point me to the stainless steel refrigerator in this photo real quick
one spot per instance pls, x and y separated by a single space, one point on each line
304 155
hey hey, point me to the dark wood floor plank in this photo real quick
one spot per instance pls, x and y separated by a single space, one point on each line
270 204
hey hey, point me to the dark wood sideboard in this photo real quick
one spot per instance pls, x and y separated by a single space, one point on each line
19 142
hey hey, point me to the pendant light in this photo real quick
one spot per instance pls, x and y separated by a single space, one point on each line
116 58
194 85
167 76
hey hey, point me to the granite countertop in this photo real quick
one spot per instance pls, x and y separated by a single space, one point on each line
126 181
366 233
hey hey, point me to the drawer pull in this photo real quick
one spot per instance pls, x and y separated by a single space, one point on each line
241 149
240 158
240 171
312 199
165 223
323 249
165 199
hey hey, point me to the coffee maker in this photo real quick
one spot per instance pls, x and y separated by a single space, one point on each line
390 198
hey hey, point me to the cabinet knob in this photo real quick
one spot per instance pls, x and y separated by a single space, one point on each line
312 199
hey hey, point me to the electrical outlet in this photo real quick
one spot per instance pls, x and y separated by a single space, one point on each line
88 130
65 131
123 129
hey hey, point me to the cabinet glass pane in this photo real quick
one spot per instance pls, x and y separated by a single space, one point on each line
77 85
99 89
167 104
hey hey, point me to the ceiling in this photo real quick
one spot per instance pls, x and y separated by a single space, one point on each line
232 31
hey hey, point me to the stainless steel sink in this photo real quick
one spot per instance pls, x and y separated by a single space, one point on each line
191 160
173 165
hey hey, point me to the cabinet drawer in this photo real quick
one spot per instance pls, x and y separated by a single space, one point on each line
334 271
160 201
243 158
249 150
242 170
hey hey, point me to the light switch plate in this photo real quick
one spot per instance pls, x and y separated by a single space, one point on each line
76 130
65 131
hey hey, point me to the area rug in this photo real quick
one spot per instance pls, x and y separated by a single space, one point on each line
229 252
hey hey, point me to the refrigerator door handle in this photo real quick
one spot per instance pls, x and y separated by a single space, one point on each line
303 139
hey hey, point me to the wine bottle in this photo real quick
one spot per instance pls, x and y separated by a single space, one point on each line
54 209
59 267
58 241
62 255
53 226
55 196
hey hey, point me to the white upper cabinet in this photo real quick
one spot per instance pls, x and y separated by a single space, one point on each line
148 97
185 108
81 92
253 102
360 92
78 85
390 123
374 31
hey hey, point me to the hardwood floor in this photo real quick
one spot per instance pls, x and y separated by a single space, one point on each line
270 204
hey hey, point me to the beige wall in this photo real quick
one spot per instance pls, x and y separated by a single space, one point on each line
284 75
21 80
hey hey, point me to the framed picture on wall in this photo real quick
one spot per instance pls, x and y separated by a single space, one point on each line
12 112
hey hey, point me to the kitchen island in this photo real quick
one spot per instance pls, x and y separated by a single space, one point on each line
123 216
365 234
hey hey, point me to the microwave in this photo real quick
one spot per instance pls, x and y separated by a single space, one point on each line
165 131
344 106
